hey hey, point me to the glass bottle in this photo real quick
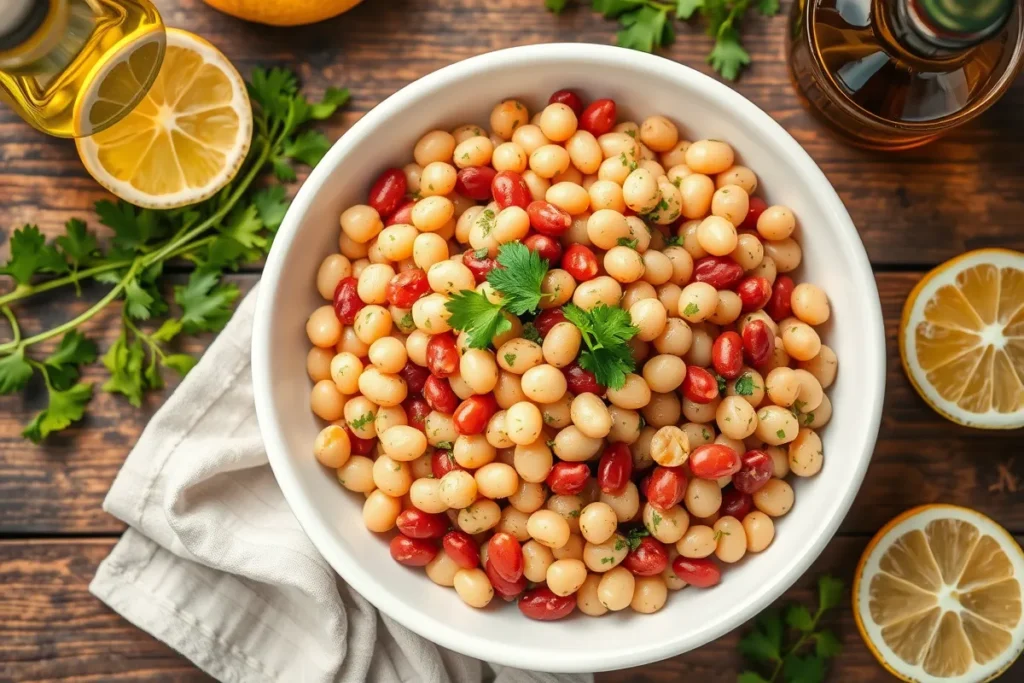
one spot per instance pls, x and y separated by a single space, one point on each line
72 68
895 74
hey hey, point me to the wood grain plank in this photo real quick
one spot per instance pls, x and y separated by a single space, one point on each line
52 628
920 458
962 192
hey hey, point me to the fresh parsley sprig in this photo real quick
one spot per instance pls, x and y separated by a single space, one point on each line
517 277
788 646
647 24
234 227
606 332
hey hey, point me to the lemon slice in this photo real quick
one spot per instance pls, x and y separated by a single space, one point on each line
937 596
187 137
962 339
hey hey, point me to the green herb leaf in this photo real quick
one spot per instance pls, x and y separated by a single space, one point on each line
472 313
646 28
73 351
686 8
518 276
179 362
309 147
799 617
124 361
606 332
78 245
728 56
363 420
744 385
826 645
722 384
15 372
137 300
634 537
626 242
691 309
31 255
334 98
133 231
830 592
64 407
751 677
555 6
271 205
809 669
768 8
758 646
205 302
530 333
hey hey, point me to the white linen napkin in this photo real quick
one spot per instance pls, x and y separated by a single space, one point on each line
215 565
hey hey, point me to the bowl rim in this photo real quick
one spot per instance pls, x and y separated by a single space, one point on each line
436 629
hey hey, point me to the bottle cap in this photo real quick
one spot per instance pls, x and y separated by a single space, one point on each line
19 19
959 19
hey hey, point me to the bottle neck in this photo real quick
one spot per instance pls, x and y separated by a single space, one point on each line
20 20
939 28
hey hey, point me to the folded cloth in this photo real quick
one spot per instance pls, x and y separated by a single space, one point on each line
215 565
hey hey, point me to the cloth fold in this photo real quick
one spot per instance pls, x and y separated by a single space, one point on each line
215 565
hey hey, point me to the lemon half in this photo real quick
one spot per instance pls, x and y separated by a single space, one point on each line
937 596
187 137
962 339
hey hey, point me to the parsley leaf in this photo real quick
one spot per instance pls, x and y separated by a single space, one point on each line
691 309
744 385
728 56
830 592
30 254
646 28
626 242
309 147
15 372
64 407
606 332
124 361
205 302
473 313
518 275
634 537
555 6
531 333
78 245
73 351
363 420
799 617
271 206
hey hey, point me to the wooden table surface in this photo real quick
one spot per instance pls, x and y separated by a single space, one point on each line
913 210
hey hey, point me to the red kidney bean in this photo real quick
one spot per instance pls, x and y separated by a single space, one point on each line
360 446
736 503
418 524
581 381
754 292
757 469
714 461
569 99
548 219
416 411
698 572
442 462
546 247
346 301
509 189
545 320
386 194
615 468
439 395
479 263
474 182
758 342
727 355
757 207
721 272
407 287
412 552
648 558
580 262
543 605
473 413
506 556
507 590
415 377
666 487
780 304
442 355
699 385
598 118
463 550
403 214
568 478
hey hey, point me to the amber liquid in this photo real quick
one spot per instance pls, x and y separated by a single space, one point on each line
853 68
48 89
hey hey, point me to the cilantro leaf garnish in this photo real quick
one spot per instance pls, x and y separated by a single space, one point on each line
606 332
518 276
473 313
31 255
744 385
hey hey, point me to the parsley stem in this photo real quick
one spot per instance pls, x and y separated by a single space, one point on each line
41 367
24 291
75 322
15 329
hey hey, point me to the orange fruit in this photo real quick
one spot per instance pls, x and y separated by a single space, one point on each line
937 596
962 339
283 12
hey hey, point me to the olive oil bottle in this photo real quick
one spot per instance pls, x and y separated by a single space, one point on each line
895 74
72 68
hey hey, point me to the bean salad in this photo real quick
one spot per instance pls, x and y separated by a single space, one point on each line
565 360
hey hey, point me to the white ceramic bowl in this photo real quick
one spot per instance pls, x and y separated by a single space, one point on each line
641 84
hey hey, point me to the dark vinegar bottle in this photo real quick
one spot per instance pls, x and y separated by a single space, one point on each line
895 74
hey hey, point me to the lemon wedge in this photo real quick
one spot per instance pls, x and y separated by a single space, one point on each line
937 596
186 139
962 339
